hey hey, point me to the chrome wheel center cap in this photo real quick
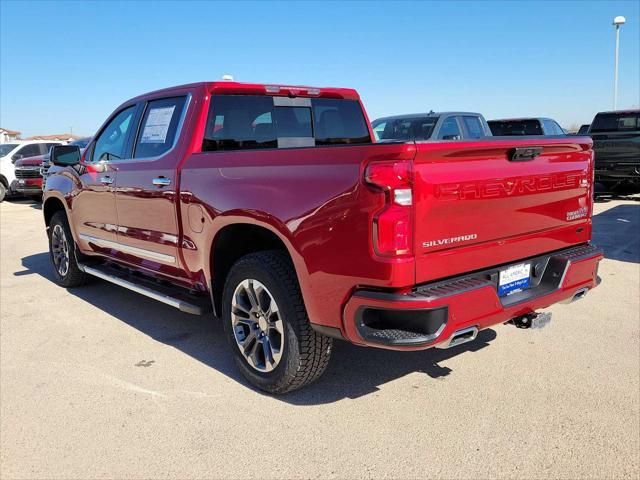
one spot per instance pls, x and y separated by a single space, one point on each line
262 323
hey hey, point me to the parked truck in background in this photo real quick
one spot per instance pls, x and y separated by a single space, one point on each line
431 126
273 207
10 153
616 143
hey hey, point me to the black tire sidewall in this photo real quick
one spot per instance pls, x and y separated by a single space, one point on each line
248 269
60 218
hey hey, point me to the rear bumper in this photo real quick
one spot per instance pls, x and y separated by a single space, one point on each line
430 314
626 171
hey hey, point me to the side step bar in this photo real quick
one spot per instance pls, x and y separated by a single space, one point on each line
168 295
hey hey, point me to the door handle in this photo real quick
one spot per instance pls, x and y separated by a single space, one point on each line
161 181
106 180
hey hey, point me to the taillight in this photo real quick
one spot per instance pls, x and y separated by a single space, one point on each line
393 224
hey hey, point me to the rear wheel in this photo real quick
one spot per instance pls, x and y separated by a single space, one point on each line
267 326
62 251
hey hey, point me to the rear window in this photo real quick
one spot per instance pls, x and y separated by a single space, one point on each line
516 127
411 128
244 122
339 122
616 122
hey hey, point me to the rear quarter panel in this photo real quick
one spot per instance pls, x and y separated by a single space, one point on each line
313 199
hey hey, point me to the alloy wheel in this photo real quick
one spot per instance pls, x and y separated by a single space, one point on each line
257 326
60 250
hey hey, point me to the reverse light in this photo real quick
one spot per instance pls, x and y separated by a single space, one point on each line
392 226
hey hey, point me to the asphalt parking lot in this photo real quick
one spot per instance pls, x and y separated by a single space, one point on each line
99 382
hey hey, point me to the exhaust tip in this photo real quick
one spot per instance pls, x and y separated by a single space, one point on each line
459 337
579 294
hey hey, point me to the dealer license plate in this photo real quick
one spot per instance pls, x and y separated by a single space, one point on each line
514 279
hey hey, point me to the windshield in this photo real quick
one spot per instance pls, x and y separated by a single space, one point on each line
616 122
6 148
515 127
410 128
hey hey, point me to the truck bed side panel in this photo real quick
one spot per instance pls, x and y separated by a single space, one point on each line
313 199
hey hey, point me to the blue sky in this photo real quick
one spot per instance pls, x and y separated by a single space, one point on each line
69 64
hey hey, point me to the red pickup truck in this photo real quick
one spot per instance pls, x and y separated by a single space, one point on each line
273 207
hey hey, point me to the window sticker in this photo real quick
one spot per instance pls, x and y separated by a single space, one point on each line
157 125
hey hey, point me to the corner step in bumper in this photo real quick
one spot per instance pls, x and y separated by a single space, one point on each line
168 294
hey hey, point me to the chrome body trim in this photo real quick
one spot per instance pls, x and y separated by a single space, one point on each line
139 252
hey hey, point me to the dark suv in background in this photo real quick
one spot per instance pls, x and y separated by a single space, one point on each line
616 142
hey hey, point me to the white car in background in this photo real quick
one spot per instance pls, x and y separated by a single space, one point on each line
13 151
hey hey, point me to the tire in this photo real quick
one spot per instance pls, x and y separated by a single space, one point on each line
3 192
299 355
62 251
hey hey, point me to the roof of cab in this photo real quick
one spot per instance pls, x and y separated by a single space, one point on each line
519 119
426 114
239 88
630 110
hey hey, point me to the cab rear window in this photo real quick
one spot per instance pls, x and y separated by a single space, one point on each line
516 127
246 122
615 122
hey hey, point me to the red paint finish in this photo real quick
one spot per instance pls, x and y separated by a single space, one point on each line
317 202
481 307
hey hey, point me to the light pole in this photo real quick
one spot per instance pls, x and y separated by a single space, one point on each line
619 20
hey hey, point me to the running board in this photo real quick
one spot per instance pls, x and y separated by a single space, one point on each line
169 295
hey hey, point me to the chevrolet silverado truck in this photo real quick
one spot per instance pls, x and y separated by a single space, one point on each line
28 176
616 143
274 208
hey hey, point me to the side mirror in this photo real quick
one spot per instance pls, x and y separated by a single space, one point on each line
65 155
16 157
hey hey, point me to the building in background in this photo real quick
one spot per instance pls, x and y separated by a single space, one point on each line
63 137
7 136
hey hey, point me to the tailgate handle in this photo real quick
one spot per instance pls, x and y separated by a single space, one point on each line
523 154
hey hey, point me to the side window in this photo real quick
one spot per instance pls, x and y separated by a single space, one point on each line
159 127
548 127
559 130
27 151
239 122
111 143
378 130
474 127
450 129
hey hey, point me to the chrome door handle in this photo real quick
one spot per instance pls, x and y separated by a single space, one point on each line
161 182
106 180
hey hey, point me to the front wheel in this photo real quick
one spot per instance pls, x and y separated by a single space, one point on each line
267 326
3 192
62 253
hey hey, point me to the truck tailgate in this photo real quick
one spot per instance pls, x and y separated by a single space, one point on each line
476 206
